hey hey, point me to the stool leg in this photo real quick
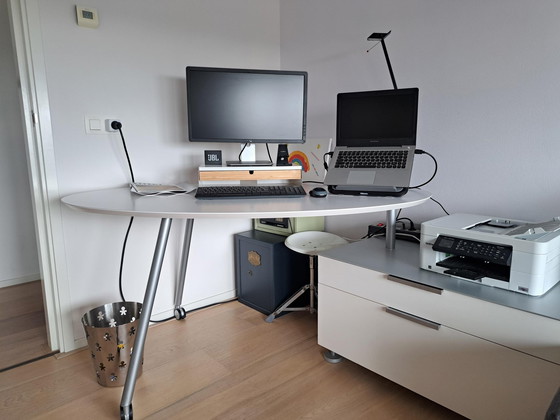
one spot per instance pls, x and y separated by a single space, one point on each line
309 286
284 306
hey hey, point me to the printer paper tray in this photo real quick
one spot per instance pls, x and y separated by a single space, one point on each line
473 269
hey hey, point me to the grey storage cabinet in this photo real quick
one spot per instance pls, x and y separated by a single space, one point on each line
267 273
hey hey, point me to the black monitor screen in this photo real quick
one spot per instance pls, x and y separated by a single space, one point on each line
377 118
238 105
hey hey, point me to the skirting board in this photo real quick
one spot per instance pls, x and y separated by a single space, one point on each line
19 280
222 297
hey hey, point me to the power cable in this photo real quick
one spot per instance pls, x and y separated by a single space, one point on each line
116 125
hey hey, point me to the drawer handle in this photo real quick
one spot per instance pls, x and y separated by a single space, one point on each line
415 284
413 318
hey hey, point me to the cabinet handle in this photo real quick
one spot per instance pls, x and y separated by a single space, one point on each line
413 318
415 284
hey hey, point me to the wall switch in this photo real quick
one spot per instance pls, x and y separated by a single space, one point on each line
94 125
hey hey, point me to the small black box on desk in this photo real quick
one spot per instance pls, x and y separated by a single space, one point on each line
267 273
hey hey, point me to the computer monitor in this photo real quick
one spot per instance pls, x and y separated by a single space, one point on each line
246 106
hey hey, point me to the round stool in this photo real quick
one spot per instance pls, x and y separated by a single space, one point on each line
309 243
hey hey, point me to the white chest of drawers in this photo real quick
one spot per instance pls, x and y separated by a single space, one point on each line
482 352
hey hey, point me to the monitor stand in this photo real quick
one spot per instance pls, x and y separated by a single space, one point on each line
248 158
283 156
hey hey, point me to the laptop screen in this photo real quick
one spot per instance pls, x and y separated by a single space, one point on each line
377 118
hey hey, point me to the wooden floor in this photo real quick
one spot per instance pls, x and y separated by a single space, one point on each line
23 333
225 362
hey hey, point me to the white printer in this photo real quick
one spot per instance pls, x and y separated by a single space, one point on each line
511 254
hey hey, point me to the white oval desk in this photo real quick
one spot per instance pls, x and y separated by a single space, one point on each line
122 202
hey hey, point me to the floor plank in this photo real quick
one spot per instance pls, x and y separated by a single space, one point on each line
224 362
23 331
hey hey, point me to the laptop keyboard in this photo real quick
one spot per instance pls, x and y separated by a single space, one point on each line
394 159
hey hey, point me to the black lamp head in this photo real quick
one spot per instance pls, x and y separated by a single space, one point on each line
378 36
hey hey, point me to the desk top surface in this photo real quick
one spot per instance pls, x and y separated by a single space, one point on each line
121 201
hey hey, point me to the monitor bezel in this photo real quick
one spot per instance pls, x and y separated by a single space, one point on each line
409 141
299 140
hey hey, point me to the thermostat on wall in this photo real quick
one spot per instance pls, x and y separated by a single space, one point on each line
87 17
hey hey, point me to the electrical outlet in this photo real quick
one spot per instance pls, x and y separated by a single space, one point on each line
108 124
99 124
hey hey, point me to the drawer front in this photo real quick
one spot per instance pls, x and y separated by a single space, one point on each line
471 376
530 333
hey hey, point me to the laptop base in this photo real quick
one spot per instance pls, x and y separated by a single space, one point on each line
368 191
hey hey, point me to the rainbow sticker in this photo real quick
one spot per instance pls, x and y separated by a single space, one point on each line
299 158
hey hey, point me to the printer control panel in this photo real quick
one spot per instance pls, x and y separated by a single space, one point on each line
497 254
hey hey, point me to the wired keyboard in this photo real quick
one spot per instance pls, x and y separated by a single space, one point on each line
253 191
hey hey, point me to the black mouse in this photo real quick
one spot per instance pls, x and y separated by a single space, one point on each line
318 192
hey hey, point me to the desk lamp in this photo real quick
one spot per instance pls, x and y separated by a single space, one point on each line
380 36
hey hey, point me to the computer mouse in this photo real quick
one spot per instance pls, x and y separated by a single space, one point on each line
318 192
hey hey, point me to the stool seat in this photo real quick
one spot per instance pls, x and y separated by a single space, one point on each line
313 242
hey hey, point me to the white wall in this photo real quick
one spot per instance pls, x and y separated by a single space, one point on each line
488 74
132 67
18 246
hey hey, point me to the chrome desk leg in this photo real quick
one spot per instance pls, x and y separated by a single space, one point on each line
147 305
390 229
180 312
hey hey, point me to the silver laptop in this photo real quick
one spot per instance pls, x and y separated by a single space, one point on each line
375 142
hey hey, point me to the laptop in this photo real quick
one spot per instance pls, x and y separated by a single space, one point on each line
375 142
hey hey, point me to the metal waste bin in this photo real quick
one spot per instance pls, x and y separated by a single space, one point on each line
110 332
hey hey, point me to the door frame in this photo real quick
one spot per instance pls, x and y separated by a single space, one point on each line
30 63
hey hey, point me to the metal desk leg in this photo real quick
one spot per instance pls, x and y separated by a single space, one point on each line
180 312
390 229
147 305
